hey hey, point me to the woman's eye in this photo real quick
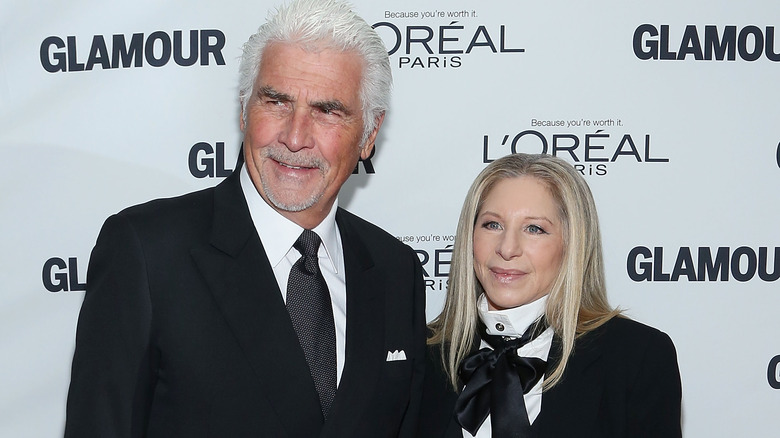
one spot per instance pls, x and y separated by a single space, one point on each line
491 225
535 229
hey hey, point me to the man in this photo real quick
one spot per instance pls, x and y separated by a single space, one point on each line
204 314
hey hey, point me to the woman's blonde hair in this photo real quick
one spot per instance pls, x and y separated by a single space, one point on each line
577 301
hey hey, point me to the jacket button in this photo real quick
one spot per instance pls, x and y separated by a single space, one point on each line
499 327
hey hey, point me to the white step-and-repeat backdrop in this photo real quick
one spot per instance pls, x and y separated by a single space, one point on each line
669 109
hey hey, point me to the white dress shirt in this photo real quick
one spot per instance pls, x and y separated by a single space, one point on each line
513 322
278 234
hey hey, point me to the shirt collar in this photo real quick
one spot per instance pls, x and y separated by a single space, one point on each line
514 321
278 234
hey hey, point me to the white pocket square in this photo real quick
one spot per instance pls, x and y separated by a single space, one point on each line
396 355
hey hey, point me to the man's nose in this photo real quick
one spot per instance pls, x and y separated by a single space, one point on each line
296 134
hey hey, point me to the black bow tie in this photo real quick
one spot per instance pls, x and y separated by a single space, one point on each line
495 383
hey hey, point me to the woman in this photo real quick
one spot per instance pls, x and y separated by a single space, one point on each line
527 344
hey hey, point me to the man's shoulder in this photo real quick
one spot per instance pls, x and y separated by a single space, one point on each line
174 205
190 210
369 232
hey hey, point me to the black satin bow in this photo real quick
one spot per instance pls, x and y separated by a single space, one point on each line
495 383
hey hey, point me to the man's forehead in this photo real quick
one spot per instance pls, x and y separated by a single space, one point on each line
294 49
295 72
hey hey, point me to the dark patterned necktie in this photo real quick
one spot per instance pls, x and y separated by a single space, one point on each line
308 302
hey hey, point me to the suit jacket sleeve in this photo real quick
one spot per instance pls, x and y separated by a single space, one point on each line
655 398
111 381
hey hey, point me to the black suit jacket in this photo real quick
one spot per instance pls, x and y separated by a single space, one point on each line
621 381
184 333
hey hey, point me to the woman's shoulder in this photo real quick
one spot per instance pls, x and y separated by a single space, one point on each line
623 335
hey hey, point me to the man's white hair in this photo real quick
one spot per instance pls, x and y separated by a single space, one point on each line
318 25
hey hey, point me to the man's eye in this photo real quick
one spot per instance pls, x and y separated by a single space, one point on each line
328 110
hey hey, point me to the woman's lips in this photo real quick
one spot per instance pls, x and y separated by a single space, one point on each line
507 275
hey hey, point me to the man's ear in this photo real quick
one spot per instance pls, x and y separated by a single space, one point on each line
368 146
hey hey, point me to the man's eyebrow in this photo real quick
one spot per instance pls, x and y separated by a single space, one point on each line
270 93
331 105
324 105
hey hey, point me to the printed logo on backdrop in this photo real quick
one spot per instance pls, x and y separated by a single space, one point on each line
425 39
366 164
62 276
593 145
435 254
773 372
207 161
707 43
703 264
71 54
777 155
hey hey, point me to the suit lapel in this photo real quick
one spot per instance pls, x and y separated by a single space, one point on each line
365 333
577 394
244 287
